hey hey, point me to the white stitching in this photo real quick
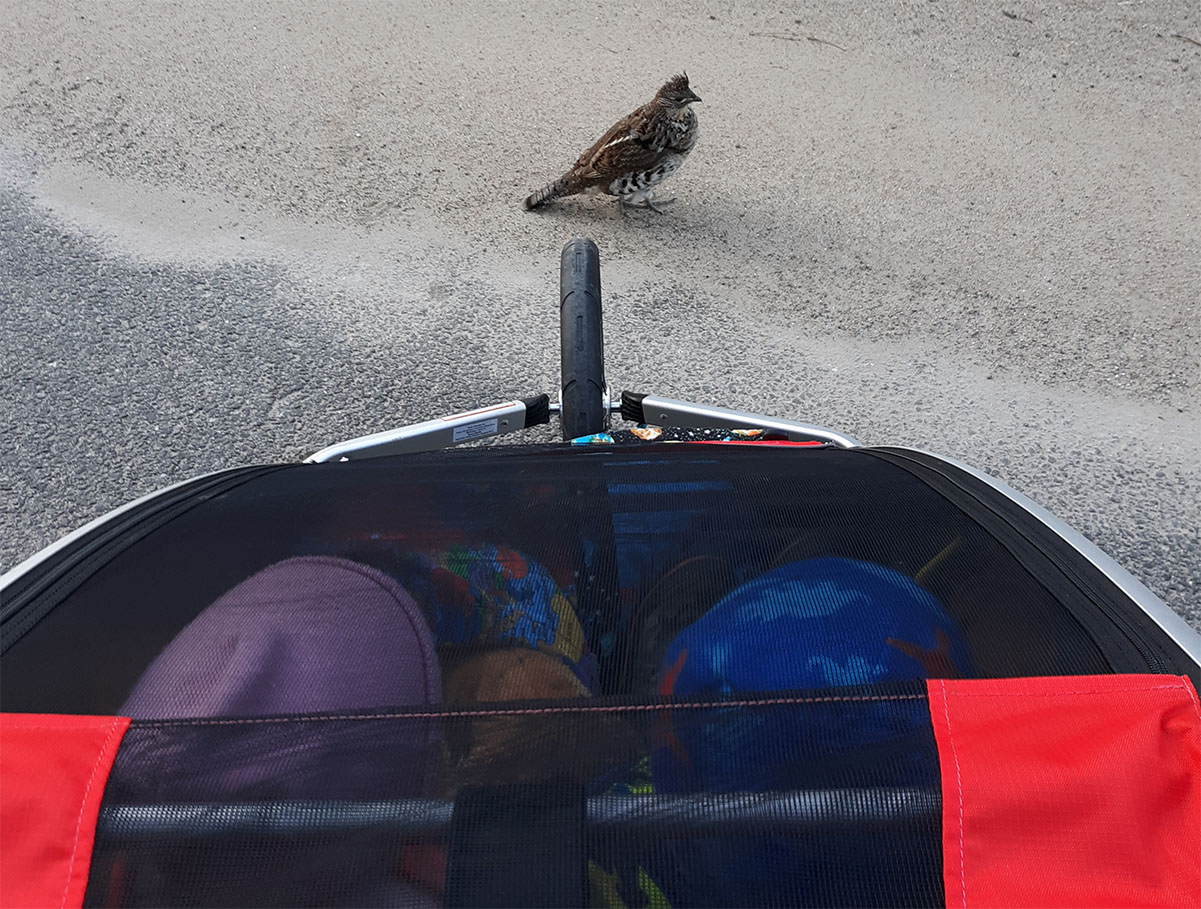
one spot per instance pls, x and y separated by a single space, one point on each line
1192 696
456 713
958 789
116 724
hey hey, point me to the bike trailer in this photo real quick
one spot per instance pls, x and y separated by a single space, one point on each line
782 669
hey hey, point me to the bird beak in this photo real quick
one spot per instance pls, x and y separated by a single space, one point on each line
695 96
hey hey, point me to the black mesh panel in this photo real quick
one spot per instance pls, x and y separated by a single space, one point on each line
643 540
791 799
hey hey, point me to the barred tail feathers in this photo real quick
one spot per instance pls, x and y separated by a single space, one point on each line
564 186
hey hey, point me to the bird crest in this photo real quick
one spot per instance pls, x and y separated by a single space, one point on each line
676 93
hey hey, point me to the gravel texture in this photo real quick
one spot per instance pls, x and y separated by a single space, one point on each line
238 232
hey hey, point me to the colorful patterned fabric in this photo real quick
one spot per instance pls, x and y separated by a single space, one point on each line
493 596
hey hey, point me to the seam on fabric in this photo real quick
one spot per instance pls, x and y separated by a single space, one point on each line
942 687
528 711
23 727
1192 696
1057 694
113 729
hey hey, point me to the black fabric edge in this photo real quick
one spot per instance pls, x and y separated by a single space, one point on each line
1130 640
33 595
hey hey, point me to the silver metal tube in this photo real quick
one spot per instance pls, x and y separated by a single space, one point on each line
430 435
696 814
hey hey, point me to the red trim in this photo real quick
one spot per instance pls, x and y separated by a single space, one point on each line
779 443
1070 791
53 770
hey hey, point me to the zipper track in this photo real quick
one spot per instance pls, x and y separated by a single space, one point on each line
1048 545
32 596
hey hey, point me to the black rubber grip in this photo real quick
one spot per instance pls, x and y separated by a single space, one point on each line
631 407
537 410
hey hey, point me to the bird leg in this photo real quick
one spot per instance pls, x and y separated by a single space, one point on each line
644 200
653 204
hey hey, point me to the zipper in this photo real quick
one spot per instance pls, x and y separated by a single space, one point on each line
1091 587
32 596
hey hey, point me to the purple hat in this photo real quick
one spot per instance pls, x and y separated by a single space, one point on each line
318 643
313 633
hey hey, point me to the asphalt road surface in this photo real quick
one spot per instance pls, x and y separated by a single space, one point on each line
236 233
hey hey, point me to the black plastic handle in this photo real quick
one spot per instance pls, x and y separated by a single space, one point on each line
537 410
631 407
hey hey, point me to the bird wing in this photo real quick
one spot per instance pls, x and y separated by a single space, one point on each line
625 148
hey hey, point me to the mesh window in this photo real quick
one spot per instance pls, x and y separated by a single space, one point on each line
640 542
783 799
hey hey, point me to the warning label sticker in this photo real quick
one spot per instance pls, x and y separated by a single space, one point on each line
475 430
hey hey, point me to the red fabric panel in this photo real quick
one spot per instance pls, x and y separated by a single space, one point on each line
52 775
1070 791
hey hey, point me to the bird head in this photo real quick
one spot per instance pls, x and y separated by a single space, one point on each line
676 93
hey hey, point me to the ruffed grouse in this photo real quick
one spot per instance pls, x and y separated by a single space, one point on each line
636 154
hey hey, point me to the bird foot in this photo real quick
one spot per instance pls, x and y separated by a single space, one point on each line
646 201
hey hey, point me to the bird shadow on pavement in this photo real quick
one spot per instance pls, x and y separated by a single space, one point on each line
681 213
